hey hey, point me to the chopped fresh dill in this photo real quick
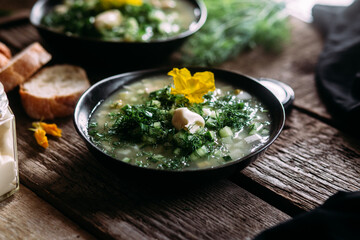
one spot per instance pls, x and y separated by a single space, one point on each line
146 129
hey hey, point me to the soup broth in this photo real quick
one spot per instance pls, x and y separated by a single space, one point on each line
134 125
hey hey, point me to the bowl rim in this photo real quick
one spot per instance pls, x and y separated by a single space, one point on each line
200 4
138 75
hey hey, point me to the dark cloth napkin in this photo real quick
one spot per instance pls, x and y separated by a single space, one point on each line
337 72
337 219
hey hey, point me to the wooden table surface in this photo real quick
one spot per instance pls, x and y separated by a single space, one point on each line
66 193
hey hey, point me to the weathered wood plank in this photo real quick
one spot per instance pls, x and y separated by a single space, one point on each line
18 36
26 216
21 15
309 162
12 5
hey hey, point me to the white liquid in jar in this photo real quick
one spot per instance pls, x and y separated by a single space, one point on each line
7 174
8 166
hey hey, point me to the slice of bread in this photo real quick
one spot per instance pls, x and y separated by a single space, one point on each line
5 55
5 50
53 91
23 65
3 60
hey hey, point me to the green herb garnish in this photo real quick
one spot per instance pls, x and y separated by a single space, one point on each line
148 126
233 26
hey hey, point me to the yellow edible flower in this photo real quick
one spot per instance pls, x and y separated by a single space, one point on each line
51 129
40 136
41 129
107 4
192 87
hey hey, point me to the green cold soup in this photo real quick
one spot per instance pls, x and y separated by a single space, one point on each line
135 125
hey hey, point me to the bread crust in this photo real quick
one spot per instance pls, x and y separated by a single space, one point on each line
55 106
3 60
48 108
5 55
23 65
5 50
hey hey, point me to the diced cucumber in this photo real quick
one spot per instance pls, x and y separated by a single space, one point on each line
155 103
126 159
225 132
157 124
198 153
202 151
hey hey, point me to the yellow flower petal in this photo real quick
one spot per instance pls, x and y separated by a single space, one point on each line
51 129
41 129
107 4
134 2
40 136
180 78
192 87
209 79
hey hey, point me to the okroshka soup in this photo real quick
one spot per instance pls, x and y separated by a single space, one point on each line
179 121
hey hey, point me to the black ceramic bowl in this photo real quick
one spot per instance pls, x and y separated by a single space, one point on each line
104 88
99 53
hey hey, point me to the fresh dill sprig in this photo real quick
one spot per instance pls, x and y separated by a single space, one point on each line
233 26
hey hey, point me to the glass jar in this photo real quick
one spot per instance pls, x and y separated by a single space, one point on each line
9 172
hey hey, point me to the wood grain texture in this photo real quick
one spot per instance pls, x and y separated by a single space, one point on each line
17 5
18 36
309 162
25 216
14 18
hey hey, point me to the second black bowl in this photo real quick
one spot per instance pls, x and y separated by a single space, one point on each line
99 53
